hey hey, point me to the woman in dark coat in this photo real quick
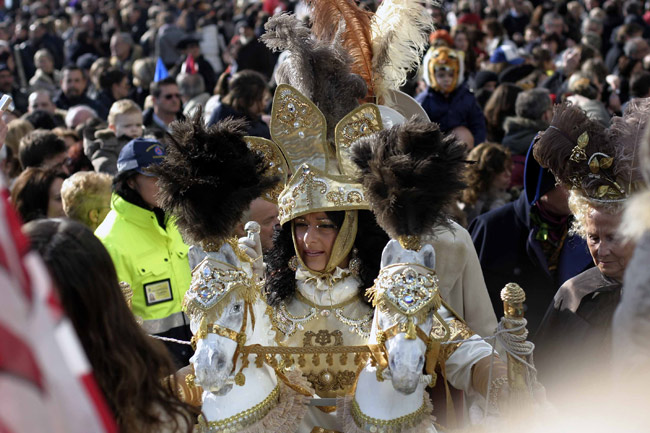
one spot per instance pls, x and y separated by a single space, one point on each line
574 340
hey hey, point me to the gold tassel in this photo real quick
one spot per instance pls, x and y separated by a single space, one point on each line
329 359
301 360
203 328
343 358
411 333
259 361
315 360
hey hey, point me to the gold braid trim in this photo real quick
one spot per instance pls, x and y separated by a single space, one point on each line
186 390
458 331
354 421
242 419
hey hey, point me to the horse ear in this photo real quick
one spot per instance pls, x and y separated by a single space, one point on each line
391 251
428 255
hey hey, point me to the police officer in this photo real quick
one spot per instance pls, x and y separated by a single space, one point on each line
146 247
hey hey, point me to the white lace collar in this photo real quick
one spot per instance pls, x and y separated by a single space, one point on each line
335 288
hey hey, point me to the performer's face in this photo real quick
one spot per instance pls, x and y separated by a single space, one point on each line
315 236
610 253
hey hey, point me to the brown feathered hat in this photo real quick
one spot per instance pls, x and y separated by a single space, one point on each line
601 164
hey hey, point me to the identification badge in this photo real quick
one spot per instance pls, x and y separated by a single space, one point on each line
158 291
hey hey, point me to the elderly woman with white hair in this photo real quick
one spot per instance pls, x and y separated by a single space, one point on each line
599 168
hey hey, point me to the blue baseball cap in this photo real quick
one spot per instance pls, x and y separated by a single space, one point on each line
139 154
506 53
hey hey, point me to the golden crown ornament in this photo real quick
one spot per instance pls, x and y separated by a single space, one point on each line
321 174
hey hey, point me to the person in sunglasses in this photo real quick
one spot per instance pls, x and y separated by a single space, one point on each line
447 99
166 107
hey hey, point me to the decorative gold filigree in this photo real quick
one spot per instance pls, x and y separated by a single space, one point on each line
311 190
327 380
299 128
275 163
409 289
458 331
368 423
360 122
410 242
578 153
212 282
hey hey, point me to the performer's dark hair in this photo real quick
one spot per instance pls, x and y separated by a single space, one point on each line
281 280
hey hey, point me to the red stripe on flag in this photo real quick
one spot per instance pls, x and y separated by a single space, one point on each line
100 404
4 429
17 358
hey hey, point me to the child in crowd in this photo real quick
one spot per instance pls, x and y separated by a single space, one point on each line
488 179
447 100
124 124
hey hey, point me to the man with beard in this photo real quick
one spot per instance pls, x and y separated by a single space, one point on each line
73 90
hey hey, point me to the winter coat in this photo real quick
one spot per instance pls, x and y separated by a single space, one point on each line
149 122
508 251
576 332
104 150
520 132
459 108
153 261
256 127
63 102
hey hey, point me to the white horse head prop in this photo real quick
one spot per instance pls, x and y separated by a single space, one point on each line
220 304
406 296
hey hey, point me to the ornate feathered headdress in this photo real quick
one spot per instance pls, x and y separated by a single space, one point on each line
600 164
314 119
410 172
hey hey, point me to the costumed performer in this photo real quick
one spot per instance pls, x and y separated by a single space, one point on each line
601 169
328 249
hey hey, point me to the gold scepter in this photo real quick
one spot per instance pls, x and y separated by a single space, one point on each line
513 297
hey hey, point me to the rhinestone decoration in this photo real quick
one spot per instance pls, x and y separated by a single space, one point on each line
407 287
210 285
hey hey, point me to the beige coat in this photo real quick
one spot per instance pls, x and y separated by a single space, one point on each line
461 279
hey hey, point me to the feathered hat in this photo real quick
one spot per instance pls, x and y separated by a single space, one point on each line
600 164
314 119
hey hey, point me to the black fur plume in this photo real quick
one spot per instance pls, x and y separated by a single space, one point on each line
410 172
209 177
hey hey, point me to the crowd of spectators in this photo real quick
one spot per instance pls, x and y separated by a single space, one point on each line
91 78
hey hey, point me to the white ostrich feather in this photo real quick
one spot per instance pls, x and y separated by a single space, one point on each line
400 32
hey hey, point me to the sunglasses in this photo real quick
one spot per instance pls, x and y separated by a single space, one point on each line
172 95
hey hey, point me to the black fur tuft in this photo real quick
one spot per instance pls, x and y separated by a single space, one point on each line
411 172
209 177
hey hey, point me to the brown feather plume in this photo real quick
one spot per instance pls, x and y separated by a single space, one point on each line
627 135
553 149
343 19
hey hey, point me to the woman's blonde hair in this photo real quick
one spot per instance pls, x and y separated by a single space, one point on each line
581 207
84 191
